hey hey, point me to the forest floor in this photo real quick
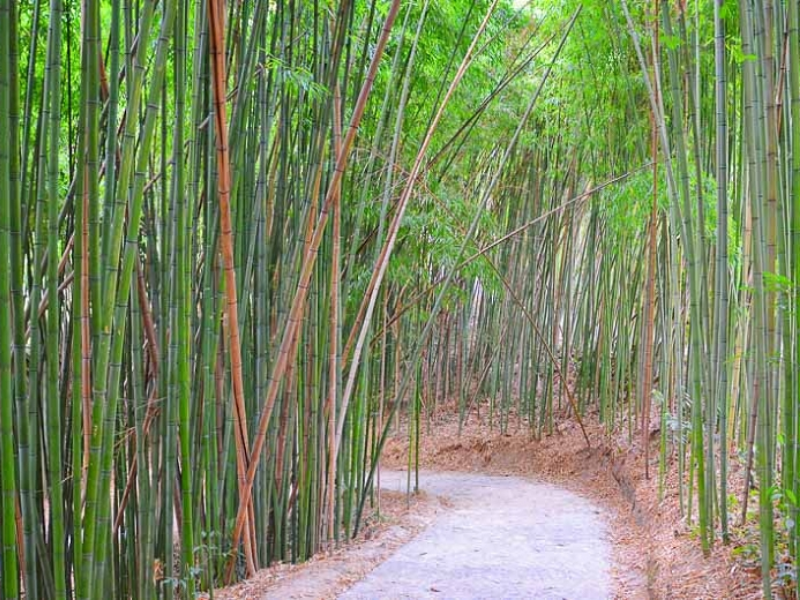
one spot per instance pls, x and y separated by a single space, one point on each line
654 553
401 517
504 537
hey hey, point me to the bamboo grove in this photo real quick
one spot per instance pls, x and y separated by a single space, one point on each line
650 261
199 206
241 242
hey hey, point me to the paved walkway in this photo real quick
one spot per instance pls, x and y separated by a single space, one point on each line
505 538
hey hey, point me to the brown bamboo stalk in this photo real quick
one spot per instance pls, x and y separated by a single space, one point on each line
217 51
368 304
307 269
334 355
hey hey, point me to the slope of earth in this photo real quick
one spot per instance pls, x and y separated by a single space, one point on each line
655 554
505 537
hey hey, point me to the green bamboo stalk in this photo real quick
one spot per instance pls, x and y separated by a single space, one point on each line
17 258
107 366
790 425
721 270
7 459
53 411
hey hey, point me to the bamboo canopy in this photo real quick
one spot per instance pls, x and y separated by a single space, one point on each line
243 243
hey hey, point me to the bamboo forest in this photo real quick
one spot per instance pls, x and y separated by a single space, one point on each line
247 246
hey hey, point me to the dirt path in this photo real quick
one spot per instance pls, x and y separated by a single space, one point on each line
504 538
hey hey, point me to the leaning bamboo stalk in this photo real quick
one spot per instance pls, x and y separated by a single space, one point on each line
217 51
308 267
364 317
415 354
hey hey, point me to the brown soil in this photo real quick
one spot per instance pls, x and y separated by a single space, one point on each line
326 576
656 555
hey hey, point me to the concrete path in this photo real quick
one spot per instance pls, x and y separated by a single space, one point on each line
505 538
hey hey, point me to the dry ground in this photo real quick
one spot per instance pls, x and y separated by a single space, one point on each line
506 537
327 575
655 554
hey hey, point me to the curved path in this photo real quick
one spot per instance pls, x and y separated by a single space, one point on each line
505 538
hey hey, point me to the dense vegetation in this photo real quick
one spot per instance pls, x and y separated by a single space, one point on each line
237 240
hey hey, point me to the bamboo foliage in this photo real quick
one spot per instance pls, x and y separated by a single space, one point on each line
245 243
174 301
